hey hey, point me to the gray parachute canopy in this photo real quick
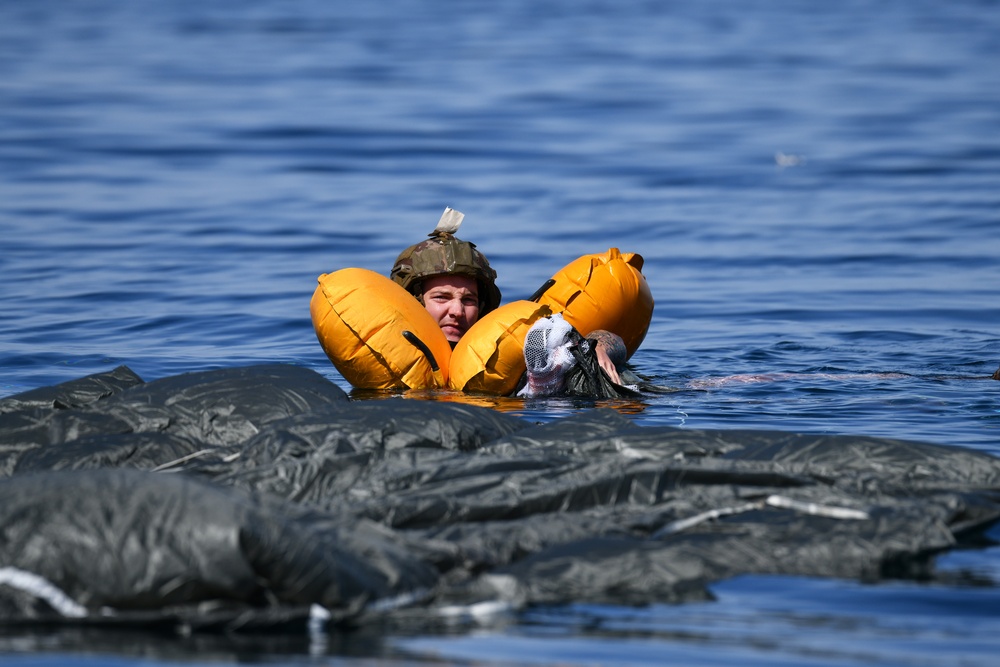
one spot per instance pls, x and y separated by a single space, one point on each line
263 497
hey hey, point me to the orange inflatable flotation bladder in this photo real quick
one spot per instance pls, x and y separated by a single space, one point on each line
376 334
603 291
489 358
380 337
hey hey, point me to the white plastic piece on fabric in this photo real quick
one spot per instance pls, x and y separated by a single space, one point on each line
408 599
711 515
782 502
815 509
547 356
319 639
509 598
31 583
450 221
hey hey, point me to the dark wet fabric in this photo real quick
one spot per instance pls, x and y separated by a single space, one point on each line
73 394
262 498
586 379
202 409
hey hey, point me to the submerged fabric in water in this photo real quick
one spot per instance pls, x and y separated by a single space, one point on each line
262 496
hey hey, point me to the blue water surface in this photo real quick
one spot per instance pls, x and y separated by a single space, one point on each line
814 187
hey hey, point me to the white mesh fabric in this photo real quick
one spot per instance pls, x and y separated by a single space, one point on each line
547 356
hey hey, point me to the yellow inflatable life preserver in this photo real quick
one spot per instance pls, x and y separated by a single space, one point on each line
603 291
489 358
380 337
376 334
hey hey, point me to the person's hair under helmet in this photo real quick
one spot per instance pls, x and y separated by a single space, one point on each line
444 254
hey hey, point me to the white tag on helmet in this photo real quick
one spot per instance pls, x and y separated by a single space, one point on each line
450 221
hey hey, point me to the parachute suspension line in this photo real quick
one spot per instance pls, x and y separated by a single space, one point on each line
683 524
831 511
201 452
780 502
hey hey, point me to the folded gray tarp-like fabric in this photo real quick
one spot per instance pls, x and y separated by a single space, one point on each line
262 497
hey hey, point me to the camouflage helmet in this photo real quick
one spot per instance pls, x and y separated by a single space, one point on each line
444 254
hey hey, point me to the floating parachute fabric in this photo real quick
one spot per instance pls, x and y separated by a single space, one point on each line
376 334
234 500
603 291
183 412
73 394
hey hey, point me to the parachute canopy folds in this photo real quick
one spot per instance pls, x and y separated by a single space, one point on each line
262 497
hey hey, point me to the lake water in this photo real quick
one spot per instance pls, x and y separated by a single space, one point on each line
815 189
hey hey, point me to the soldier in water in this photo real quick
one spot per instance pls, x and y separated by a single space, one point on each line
457 286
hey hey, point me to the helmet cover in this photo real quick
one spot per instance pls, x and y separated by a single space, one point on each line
445 254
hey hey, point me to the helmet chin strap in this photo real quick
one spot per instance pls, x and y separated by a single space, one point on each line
449 223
